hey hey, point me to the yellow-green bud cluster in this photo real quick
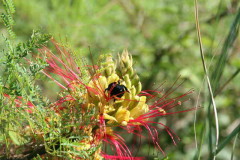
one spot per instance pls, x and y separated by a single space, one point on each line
130 105
108 67
126 71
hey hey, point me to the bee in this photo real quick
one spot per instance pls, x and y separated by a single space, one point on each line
115 89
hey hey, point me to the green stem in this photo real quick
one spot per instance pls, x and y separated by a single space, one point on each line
234 144
227 140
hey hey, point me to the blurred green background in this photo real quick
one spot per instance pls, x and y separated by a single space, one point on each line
161 36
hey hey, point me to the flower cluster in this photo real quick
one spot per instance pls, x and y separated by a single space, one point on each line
117 98
97 99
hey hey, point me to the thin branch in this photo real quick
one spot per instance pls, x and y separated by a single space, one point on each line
228 81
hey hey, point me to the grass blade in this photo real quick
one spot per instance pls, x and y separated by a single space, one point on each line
227 139
219 68
206 73
234 144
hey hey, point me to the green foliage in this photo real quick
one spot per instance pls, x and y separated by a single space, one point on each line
221 62
160 35
18 75
7 17
17 83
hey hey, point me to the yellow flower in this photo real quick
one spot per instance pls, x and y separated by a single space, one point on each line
140 109
115 109
122 116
